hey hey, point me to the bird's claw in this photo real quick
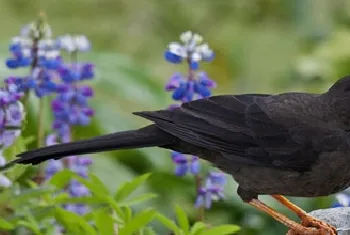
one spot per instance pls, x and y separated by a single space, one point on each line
324 228
313 226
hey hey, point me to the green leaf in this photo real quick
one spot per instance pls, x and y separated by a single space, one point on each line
138 199
28 195
66 199
127 214
149 231
98 184
168 223
197 228
61 179
128 187
138 222
221 230
182 219
6 225
74 223
29 226
104 222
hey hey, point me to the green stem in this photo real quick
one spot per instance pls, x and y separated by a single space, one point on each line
200 210
40 176
41 123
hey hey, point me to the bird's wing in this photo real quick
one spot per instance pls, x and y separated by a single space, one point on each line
238 128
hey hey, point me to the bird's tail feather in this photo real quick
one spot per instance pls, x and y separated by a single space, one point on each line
145 137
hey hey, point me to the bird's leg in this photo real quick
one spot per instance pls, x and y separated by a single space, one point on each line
284 201
306 220
295 227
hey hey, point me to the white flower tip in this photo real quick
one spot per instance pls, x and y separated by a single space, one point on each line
82 43
196 57
197 38
186 36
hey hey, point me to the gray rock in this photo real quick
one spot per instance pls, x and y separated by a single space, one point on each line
338 217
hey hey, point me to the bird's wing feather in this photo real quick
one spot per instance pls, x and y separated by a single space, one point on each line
237 127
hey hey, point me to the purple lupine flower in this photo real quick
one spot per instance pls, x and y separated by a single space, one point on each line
49 54
79 165
189 49
211 191
20 49
185 164
22 46
190 87
53 166
185 89
70 107
76 72
11 115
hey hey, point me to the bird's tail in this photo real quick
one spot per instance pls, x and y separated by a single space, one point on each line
145 137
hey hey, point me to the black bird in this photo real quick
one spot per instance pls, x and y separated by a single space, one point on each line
290 144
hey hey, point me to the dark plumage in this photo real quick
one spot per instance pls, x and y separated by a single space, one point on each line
293 144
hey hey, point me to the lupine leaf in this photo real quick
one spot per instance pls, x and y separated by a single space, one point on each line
128 187
168 223
138 199
139 221
197 228
182 219
6 225
220 230
104 222
73 223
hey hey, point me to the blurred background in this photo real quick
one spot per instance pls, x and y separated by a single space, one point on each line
261 46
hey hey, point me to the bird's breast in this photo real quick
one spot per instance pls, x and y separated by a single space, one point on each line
329 175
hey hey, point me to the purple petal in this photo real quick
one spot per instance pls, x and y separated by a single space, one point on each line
174 81
88 112
194 165
85 161
57 105
199 201
180 92
9 137
83 119
202 90
208 200
78 190
81 209
51 139
194 65
53 166
217 178
86 91
172 58
181 169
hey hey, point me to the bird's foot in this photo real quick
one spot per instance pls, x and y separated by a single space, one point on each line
311 225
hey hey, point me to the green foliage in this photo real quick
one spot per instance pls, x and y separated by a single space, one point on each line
111 211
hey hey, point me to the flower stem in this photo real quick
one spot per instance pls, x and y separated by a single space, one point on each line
40 176
200 210
41 123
